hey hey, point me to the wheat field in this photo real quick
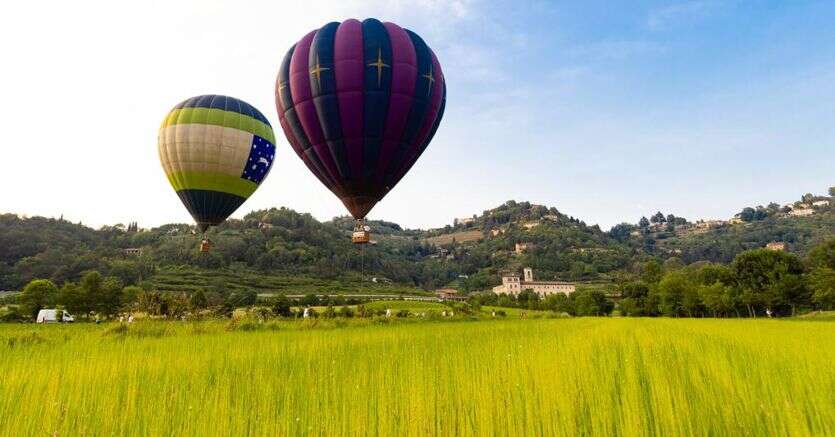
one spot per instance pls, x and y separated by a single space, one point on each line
587 376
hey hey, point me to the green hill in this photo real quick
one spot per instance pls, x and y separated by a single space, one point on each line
281 250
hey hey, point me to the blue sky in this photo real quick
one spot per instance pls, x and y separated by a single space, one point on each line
606 110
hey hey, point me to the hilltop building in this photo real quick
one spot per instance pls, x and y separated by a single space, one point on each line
463 221
512 284
776 245
132 251
802 212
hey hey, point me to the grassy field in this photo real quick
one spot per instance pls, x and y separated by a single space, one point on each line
523 377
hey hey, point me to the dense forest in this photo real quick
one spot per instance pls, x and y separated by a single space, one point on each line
281 250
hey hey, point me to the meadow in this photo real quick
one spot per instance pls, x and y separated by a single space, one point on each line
512 376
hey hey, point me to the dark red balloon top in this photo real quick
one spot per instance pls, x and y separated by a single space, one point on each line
359 102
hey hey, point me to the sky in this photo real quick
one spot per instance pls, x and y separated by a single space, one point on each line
607 110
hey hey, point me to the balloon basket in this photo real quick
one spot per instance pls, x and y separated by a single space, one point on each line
361 234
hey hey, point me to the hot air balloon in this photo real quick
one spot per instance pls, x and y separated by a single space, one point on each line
215 151
359 102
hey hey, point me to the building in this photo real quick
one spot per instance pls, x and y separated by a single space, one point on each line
524 247
801 212
463 221
820 203
530 225
512 284
449 294
776 245
133 251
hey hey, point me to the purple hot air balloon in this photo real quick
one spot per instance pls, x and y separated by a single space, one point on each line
359 102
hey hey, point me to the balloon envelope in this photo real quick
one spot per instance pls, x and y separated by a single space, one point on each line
359 102
215 151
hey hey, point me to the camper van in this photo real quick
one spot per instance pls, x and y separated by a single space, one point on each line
54 316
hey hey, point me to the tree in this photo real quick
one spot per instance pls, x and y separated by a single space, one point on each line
621 231
658 218
281 306
807 198
528 299
37 295
832 191
748 214
822 284
671 218
591 303
643 223
559 303
198 300
769 279
310 300
240 299
634 296
652 272
823 255
716 298
673 263
673 290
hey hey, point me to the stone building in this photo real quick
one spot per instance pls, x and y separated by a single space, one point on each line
512 284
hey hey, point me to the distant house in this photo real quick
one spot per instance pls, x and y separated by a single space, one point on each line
801 212
820 203
513 285
449 294
709 224
530 225
133 251
463 221
776 245
524 247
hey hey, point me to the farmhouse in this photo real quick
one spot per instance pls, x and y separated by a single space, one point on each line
776 245
512 285
463 221
802 212
449 294
133 251
820 203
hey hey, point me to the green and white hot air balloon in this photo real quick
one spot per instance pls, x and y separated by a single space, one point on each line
216 151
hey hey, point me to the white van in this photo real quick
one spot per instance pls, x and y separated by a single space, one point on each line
54 316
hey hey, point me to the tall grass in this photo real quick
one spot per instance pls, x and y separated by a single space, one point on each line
510 377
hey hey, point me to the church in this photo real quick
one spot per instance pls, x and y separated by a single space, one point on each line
512 284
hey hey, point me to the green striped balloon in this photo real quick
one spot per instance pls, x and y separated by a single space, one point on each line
216 151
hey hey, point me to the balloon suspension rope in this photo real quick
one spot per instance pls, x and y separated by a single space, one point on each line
362 267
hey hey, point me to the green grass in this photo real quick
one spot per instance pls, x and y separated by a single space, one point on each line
517 312
507 377
411 305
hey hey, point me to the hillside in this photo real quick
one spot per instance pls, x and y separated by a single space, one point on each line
280 250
